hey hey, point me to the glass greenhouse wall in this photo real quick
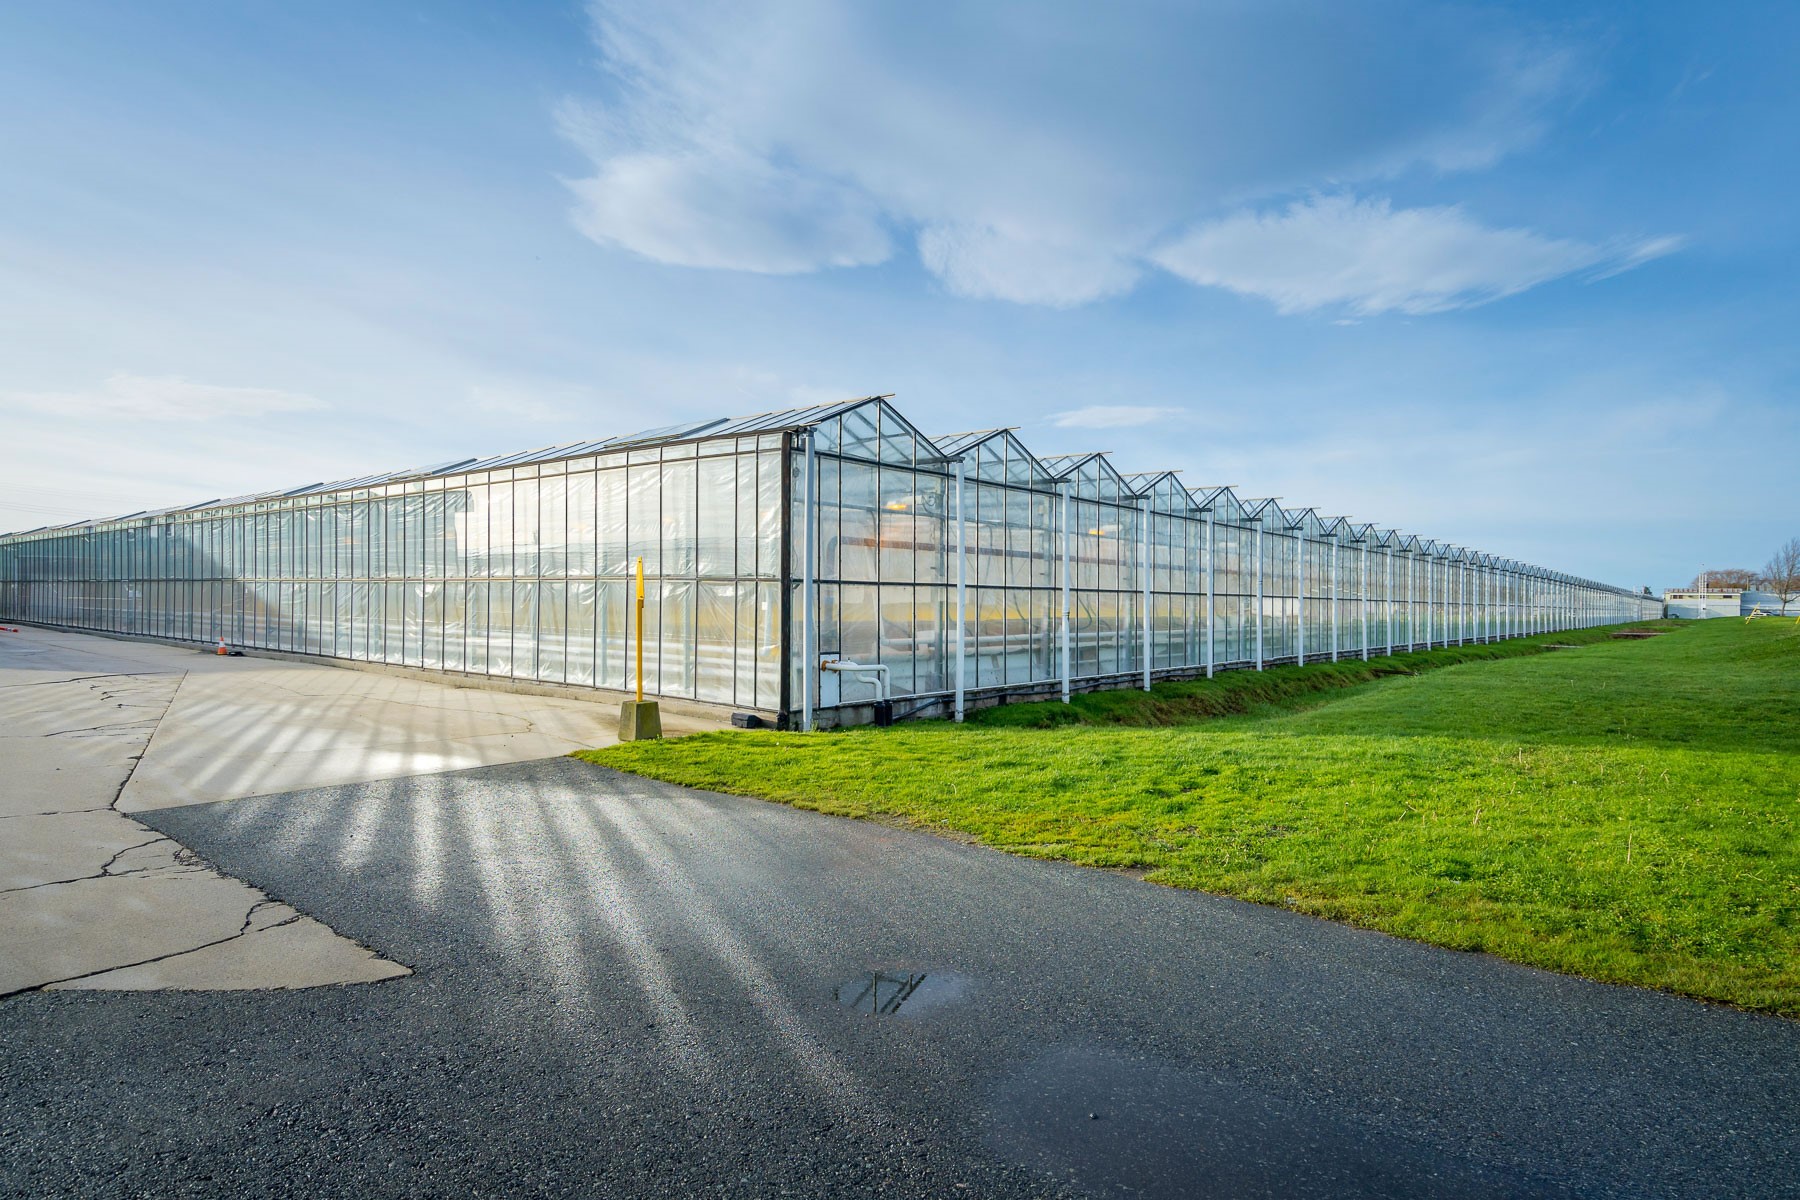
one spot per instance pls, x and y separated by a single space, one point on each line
802 565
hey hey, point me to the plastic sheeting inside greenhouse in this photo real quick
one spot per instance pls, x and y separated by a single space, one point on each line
801 565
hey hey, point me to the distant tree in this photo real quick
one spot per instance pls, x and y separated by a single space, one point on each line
1729 579
1782 575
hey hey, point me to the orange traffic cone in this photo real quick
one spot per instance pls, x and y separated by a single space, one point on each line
221 650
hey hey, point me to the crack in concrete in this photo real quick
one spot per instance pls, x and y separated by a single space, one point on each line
243 931
145 748
83 678
93 730
105 871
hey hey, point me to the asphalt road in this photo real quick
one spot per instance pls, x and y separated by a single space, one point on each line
623 988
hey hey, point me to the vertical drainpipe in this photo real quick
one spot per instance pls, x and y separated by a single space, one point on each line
1211 566
1259 595
962 593
1065 592
809 633
1144 578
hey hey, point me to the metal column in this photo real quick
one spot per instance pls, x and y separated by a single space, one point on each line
809 654
1066 551
1259 596
962 592
1211 567
1365 599
1144 579
1334 599
1300 597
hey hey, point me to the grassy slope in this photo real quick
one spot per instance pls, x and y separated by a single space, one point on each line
1624 811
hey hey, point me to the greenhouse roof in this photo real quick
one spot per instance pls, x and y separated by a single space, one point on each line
870 427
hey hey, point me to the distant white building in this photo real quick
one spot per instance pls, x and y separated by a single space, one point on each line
1692 604
1724 602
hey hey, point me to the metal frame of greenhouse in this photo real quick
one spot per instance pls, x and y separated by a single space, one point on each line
818 567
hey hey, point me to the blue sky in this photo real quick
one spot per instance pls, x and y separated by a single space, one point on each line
1520 277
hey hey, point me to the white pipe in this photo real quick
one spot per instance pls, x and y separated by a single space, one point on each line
878 670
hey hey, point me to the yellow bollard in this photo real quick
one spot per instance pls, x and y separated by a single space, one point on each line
639 720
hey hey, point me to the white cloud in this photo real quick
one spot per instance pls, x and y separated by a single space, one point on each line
1368 257
123 396
989 264
1111 416
1036 155
729 211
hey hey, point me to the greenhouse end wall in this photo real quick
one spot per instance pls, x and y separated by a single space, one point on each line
802 565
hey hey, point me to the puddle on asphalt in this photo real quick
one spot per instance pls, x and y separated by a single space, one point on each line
895 993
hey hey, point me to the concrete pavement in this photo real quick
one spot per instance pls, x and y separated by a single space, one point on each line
93 729
625 988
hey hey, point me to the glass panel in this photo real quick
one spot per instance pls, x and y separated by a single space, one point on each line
613 530
718 526
644 517
768 515
552 630
680 510
579 660
580 538
715 641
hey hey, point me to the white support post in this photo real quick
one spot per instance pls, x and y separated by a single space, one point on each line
809 650
1365 600
1334 599
1212 561
1066 568
1430 599
962 593
1462 603
1488 629
1259 595
1300 597
1144 578
1412 600
1387 598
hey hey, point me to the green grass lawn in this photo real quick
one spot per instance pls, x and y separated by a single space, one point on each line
1624 810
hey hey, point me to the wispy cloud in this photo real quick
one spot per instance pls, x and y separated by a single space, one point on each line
123 396
1112 416
1033 156
1368 257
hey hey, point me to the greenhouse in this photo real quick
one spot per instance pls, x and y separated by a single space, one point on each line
818 567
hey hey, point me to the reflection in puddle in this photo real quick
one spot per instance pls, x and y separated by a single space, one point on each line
883 994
